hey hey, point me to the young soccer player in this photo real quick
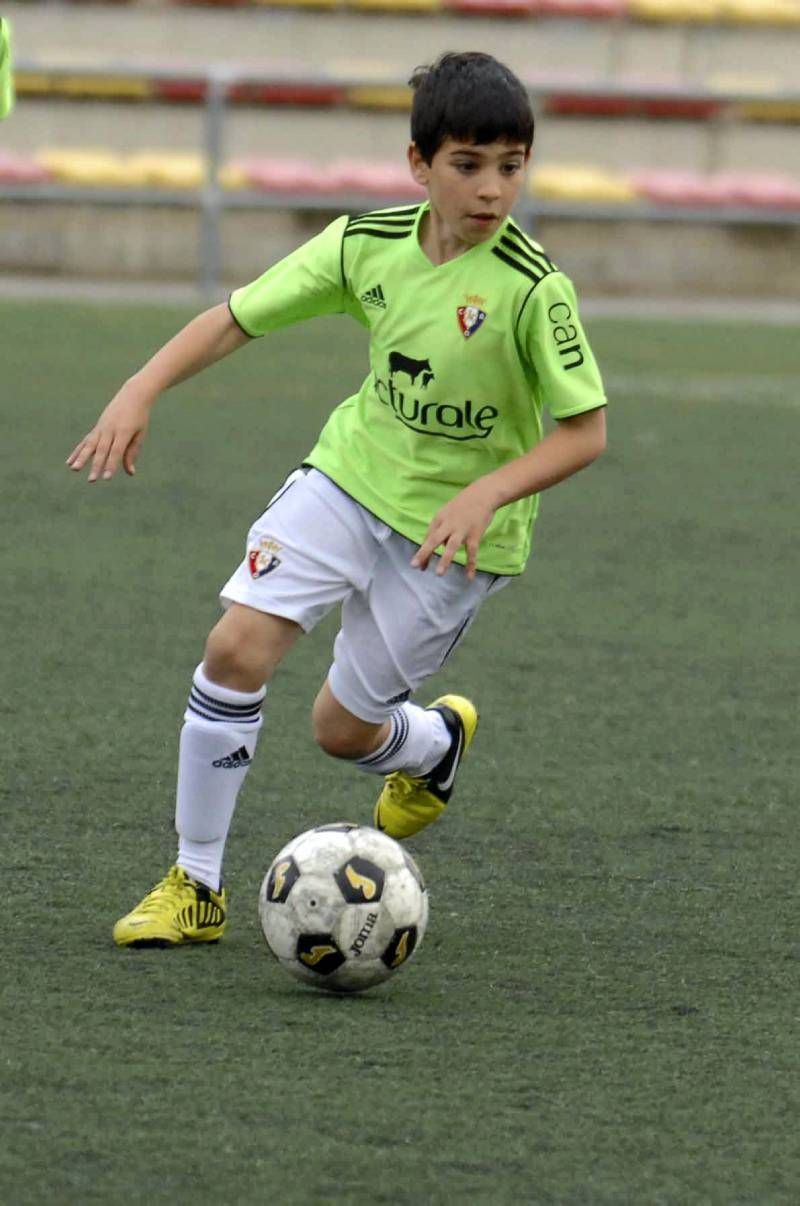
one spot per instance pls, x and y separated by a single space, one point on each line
417 501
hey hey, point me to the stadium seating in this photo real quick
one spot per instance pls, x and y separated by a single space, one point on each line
594 9
676 11
750 190
493 8
389 182
84 86
555 95
581 183
378 96
157 169
762 12
769 12
20 169
397 6
91 168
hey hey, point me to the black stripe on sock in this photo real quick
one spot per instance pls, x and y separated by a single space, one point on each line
395 741
220 705
200 711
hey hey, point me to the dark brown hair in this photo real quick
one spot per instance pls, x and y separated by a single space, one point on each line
471 97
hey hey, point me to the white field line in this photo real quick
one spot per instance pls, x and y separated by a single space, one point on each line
752 310
756 310
782 389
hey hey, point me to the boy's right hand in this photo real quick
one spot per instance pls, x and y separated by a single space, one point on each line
116 437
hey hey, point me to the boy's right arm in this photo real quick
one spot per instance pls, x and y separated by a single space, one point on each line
118 434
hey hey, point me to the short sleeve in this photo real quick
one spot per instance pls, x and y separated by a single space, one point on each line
556 350
305 284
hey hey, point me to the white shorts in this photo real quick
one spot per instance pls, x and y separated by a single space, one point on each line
314 547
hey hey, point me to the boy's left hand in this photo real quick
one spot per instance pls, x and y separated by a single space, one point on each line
460 523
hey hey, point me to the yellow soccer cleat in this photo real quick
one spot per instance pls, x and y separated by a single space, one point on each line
178 909
406 804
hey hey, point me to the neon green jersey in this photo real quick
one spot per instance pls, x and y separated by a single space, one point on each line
6 69
463 358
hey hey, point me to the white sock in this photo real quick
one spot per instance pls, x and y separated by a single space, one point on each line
218 741
417 742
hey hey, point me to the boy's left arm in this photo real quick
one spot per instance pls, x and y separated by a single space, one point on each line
556 347
6 69
461 523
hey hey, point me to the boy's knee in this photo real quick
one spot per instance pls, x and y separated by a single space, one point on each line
245 647
231 662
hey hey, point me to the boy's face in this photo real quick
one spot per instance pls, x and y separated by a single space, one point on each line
472 186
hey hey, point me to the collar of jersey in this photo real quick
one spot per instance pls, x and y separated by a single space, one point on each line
478 247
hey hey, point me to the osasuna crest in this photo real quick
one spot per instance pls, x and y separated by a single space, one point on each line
470 318
263 559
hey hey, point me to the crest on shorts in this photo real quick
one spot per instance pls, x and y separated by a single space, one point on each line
470 318
264 559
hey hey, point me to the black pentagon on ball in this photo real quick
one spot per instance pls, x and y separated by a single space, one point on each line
319 953
401 946
283 875
360 881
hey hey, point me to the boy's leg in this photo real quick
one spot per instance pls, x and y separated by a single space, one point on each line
220 732
413 798
417 749
217 745
307 550
394 635
411 738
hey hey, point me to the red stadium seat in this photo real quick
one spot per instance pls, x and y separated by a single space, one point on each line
18 169
581 8
685 109
180 91
375 179
283 175
771 192
271 92
276 92
681 188
493 8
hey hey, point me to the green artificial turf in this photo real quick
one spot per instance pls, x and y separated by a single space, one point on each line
605 1007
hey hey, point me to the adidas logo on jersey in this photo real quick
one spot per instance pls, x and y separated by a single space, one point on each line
374 297
238 758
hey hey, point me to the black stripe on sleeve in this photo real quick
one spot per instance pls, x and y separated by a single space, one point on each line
376 220
341 262
528 254
530 246
406 213
378 234
536 277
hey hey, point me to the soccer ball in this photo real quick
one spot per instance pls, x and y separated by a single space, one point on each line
343 907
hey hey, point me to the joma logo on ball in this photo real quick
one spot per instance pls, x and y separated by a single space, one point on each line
364 933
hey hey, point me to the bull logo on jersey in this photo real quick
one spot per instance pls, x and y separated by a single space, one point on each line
400 363
263 559
450 420
470 318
